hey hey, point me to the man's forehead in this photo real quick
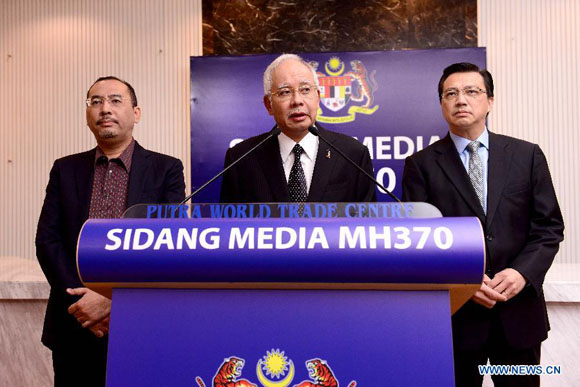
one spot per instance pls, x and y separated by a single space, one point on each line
108 87
464 79
292 71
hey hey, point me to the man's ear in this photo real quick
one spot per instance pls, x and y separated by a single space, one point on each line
268 104
489 104
137 112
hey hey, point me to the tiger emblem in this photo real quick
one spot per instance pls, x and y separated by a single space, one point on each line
228 374
314 65
321 375
360 75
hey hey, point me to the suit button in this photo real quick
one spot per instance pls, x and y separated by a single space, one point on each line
489 237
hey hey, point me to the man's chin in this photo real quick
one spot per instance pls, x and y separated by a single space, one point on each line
107 134
298 126
295 133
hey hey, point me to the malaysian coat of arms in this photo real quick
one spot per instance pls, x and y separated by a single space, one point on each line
273 370
352 90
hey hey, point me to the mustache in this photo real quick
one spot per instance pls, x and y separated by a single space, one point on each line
108 119
298 111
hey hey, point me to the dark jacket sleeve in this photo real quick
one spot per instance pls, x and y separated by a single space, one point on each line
174 183
52 250
365 187
414 187
546 226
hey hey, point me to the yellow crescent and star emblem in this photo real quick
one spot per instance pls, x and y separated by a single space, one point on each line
275 364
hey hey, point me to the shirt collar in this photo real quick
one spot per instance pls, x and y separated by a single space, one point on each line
125 158
462 142
309 143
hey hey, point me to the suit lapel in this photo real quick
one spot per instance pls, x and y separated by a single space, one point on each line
499 164
84 182
139 167
270 161
322 168
452 167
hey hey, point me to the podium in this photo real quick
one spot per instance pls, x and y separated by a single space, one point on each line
276 295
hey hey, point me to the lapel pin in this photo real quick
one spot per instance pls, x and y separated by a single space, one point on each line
328 153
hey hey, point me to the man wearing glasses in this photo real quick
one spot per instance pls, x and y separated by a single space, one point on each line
505 182
295 166
100 183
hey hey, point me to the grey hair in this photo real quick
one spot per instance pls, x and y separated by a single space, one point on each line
282 58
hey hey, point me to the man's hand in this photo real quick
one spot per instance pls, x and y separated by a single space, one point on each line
486 295
101 328
91 311
508 282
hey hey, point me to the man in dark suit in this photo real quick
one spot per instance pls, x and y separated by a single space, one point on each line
295 166
100 183
505 182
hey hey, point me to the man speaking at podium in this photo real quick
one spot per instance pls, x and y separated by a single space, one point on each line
294 166
505 182
100 183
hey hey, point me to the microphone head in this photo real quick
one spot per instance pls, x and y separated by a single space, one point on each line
275 131
313 129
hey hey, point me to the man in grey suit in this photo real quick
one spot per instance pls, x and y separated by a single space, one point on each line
295 166
100 183
505 182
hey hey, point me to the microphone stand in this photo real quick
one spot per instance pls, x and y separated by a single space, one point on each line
314 130
274 132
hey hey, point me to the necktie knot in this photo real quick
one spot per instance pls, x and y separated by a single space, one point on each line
297 150
473 146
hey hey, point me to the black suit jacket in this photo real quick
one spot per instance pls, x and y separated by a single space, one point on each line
154 178
260 176
523 228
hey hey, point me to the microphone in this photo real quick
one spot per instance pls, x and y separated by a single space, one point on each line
314 130
273 133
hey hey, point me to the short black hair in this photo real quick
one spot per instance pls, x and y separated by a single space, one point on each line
112 78
465 67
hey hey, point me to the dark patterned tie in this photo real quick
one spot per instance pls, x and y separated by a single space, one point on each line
475 170
297 181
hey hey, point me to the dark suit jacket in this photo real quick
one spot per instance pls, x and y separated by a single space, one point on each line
154 178
260 176
523 228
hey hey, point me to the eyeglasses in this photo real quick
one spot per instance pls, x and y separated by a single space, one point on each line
469 92
114 100
285 93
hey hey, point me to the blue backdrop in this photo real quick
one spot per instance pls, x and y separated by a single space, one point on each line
386 99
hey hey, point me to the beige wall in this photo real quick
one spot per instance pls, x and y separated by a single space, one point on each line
533 52
50 53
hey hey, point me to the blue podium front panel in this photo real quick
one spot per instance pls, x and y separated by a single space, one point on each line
162 252
279 338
